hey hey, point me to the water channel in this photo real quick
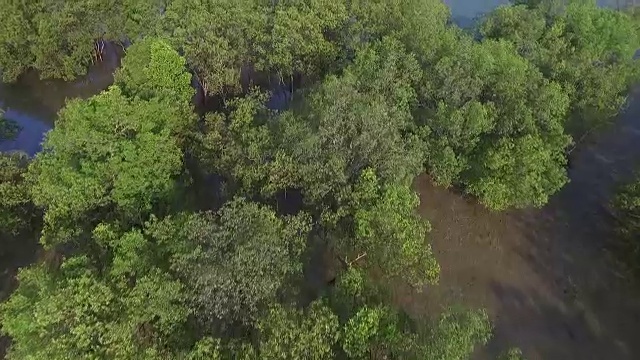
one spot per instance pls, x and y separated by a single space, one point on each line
545 276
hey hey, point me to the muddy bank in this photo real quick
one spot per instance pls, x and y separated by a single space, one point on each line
547 277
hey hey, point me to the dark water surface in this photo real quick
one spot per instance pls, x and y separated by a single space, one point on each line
545 276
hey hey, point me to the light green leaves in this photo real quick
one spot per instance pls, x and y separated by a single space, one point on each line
153 70
108 150
390 233
118 152
518 173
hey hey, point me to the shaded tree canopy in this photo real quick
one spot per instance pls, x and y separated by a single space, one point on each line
626 206
236 260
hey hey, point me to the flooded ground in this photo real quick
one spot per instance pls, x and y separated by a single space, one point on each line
545 276
33 103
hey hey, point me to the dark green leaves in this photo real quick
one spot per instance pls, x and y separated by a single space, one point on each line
239 259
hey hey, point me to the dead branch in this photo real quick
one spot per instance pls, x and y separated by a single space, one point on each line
356 259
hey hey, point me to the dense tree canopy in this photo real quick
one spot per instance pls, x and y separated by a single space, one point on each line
588 50
176 233
486 129
117 152
238 260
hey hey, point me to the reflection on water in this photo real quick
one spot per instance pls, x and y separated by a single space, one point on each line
33 103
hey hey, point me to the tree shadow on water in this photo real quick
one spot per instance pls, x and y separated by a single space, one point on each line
587 304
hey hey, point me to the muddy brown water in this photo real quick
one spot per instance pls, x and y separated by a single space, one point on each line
545 276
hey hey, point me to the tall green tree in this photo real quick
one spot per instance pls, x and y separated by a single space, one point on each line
107 154
55 37
485 130
298 36
118 153
217 39
237 260
293 334
350 123
585 48
74 312
153 70
419 24
61 39
388 234
237 144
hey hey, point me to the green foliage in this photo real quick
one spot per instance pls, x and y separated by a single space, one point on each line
238 145
16 209
237 260
487 131
153 70
390 233
587 49
294 334
512 354
115 154
284 38
351 123
419 24
375 333
626 205
130 277
456 334
71 312
16 32
519 173
134 19
8 129
58 38
107 152
217 50
297 37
